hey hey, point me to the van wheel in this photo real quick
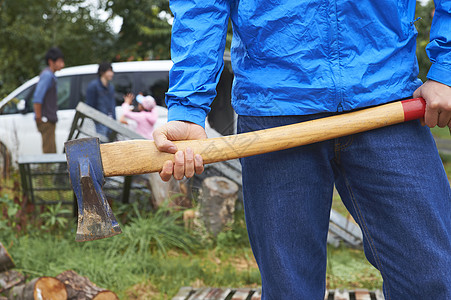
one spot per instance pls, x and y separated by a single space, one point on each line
5 161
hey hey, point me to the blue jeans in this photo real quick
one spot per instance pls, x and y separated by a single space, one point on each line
391 180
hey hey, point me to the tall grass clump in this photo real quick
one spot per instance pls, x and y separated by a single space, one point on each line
155 231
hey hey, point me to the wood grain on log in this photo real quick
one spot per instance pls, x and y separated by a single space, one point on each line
42 288
81 288
10 279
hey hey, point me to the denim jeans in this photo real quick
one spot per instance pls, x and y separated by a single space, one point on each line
391 180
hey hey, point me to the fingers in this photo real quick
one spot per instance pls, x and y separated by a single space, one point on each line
185 164
179 165
189 163
166 172
435 116
431 116
417 93
438 103
198 164
444 118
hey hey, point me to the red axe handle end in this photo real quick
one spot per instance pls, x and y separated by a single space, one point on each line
413 108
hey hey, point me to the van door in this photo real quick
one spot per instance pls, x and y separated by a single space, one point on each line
67 88
18 131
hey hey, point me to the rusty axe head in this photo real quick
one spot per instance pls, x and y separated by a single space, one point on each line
95 217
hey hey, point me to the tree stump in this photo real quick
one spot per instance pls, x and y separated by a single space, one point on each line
174 191
81 288
10 279
217 203
42 288
6 262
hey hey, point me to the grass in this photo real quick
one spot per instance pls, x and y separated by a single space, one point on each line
136 267
134 275
348 268
106 263
443 133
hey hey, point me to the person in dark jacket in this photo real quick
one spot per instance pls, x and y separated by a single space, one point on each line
45 99
296 61
100 95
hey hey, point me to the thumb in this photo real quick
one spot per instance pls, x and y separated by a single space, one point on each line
417 93
162 142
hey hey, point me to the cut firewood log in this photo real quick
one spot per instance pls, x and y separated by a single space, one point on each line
6 262
81 288
42 288
217 203
10 279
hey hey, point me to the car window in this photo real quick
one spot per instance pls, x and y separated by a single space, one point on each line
11 106
64 85
153 83
123 84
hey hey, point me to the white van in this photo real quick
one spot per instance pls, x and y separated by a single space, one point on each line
18 132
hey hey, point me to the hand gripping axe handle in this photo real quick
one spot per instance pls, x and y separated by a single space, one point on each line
89 162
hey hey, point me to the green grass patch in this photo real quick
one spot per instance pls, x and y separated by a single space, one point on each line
442 133
349 268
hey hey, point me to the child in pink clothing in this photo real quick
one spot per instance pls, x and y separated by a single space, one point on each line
145 118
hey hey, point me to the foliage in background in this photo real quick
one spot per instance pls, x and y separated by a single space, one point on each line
145 32
28 28
423 26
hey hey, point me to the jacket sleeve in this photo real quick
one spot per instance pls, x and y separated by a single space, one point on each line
197 47
439 48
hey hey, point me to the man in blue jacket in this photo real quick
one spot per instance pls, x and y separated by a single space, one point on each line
100 95
300 60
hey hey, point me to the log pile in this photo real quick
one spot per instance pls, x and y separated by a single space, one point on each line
66 286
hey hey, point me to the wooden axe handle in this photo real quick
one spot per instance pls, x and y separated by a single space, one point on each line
141 156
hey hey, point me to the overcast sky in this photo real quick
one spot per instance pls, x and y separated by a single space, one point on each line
115 23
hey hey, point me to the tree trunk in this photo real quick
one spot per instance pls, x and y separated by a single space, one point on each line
9 279
6 261
42 288
81 288
217 203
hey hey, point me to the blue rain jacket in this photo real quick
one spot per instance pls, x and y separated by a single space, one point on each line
300 57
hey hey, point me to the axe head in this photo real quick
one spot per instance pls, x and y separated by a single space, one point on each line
95 217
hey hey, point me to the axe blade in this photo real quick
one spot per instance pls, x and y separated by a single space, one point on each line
95 217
